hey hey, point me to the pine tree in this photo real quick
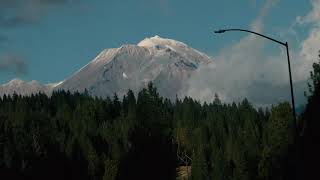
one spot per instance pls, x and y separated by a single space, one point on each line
276 140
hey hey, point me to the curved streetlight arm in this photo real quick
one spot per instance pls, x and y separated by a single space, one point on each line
289 66
274 40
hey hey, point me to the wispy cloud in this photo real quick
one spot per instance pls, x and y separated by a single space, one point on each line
13 63
161 5
19 13
313 16
310 46
258 24
245 70
15 13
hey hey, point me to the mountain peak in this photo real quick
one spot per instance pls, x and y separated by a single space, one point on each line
159 41
165 62
15 81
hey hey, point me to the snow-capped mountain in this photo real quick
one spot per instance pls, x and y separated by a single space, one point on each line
167 63
21 87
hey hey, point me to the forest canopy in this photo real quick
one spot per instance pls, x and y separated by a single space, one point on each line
76 136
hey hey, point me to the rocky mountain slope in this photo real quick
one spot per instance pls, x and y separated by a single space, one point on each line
165 62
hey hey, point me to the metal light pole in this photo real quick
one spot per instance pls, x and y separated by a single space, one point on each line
289 66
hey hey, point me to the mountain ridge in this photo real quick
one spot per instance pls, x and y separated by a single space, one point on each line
165 62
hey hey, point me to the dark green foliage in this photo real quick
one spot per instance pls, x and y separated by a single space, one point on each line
75 136
277 138
309 146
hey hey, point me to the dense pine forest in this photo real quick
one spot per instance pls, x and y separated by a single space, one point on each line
144 136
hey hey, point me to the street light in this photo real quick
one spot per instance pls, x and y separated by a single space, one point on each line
287 48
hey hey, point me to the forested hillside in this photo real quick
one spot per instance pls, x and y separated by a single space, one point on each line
75 136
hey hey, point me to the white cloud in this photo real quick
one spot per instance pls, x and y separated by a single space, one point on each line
14 63
258 23
237 68
313 16
311 45
244 70
308 54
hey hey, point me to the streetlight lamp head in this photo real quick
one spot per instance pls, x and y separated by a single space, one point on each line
220 31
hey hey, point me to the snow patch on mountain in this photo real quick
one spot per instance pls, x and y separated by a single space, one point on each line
167 63
18 86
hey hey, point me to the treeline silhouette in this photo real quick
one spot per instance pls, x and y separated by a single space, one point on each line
76 136
309 140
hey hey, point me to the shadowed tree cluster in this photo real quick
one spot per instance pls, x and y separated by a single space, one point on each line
75 136
309 146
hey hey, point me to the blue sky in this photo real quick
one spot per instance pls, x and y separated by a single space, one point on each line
67 36
48 40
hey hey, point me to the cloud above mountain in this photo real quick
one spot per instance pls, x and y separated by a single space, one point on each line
15 13
13 63
245 70
310 46
19 13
